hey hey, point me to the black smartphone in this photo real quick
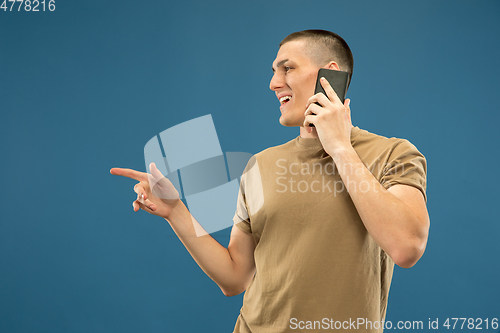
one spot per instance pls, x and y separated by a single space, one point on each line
339 81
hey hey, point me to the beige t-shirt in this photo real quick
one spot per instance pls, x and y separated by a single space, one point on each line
317 268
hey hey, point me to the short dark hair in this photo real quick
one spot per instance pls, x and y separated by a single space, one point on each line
325 46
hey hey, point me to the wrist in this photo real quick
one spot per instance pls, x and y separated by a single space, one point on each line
177 209
342 154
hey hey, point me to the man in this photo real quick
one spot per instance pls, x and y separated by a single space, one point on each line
340 206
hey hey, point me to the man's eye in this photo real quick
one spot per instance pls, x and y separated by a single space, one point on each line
287 68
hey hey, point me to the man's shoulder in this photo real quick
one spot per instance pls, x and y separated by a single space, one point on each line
364 138
368 141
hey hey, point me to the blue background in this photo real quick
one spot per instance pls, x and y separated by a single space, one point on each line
83 88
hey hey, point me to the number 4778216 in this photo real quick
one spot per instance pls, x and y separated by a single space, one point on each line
29 6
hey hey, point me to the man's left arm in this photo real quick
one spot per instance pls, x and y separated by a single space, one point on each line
396 218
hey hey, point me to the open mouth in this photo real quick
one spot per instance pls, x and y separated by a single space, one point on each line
285 99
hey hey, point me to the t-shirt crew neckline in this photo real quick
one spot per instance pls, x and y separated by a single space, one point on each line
316 143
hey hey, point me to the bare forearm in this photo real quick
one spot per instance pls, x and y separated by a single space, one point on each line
213 258
390 222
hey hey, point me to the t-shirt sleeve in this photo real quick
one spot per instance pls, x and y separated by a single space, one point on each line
407 166
241 218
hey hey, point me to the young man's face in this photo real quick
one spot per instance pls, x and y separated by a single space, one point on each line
293 81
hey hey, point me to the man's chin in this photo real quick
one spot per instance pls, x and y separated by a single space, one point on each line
285 121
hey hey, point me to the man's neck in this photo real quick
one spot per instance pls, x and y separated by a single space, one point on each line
313 134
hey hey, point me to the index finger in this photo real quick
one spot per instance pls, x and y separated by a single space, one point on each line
331 94
129 173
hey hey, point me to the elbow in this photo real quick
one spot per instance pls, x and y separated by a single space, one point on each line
232 289
237 285
407 256
405 261
229 292
235 288
409 251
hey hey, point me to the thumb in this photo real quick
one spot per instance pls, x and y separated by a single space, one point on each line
154 175
347 103
157 175
157 178
161 186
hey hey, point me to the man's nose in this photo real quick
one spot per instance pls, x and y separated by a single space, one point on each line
276 82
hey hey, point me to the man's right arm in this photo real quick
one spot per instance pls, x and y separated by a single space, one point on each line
232 268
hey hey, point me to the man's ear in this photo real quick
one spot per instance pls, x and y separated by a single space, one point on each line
332 65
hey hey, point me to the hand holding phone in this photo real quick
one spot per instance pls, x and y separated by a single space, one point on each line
339 81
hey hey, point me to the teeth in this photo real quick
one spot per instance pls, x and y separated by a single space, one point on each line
284 99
